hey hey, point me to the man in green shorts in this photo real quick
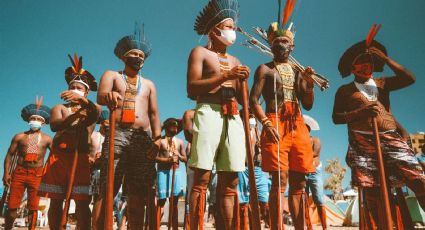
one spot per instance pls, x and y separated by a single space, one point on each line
213 80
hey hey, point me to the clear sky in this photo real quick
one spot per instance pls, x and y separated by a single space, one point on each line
36 36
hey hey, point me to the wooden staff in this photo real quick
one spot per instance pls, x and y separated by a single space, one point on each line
382 177
171 208
64 217
362 215
12 167
253 198
109 221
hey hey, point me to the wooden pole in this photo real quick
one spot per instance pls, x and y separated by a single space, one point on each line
253 198
382 177
109 199
12 167
171 208
64 217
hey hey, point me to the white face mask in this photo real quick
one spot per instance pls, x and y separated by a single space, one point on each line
229 36
35 125
252 122
78 92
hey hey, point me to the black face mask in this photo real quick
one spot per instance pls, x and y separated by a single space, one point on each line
134 62
280 51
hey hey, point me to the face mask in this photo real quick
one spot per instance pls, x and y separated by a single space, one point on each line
252 122
134 62
279 50
363 70
229 36
35 125
78 92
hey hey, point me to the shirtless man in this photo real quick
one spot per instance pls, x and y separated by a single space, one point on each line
96 143
30 147
293 90
171 152
76 118
356 104
213 81
134 100
315 180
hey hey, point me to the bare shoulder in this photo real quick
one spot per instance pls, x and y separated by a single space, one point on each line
198 51
110 74
188 114
344 89
45 136
18 136
58 107
148 84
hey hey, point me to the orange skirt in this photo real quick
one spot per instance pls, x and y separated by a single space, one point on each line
57 173
295 147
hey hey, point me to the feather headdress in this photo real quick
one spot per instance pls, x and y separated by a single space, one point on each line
215 12
135 41
37 109
349 57
76 73
277 29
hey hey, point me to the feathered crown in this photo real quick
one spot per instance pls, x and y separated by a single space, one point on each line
214 13
277 29
135 41
36 109
359 49
76 73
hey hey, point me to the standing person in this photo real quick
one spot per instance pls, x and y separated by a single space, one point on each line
285 141
97 139
356 104
171 152
76 118
314 180
30 147
134 100
261 180
187 122
213 79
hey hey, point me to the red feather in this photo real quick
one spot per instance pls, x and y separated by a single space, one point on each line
77 64
287 11
38 102
372 33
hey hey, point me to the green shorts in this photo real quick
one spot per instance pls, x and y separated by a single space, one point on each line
217 139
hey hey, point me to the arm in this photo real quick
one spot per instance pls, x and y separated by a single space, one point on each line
154 113
93 111
10 154
106 94
188 124
305 89
195 84
403 77
256 90
58 122
182 151
317 146
340 115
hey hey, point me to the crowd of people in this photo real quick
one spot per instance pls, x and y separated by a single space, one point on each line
151 164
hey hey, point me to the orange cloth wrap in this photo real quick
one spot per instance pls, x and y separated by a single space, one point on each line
128 116
296 152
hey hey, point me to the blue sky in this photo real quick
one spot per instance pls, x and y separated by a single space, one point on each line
36 36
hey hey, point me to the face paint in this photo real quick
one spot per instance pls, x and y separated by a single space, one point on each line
135 63
363 70
35 125
81 93
281 50
229 36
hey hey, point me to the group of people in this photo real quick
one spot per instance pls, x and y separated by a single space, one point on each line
146 162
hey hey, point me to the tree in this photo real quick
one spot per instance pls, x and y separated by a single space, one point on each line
334 181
